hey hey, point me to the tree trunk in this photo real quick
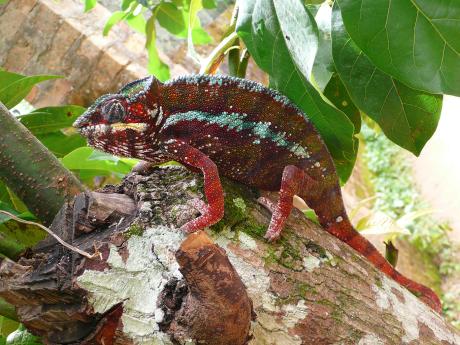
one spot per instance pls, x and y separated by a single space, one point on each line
151 284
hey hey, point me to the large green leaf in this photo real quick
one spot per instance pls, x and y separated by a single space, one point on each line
416 41
408 117
15 87
336 92
51 119
281 35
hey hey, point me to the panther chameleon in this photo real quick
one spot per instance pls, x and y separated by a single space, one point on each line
238 129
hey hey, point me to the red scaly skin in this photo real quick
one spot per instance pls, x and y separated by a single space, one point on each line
238 129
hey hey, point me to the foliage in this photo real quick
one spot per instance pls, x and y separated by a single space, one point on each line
337 60
273 33
53 127
178 17
415 41
14 87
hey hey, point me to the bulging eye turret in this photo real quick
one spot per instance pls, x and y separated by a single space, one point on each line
114 111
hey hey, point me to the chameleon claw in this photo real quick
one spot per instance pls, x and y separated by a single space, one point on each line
272 236
199 205
267 203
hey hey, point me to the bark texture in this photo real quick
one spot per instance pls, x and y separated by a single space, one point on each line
32 171
148 286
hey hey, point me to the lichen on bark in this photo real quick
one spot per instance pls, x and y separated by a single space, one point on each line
307 288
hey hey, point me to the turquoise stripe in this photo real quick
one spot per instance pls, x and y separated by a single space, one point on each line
237 122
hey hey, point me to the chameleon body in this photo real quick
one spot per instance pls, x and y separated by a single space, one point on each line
238 129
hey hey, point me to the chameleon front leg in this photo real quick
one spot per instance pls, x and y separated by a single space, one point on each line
192 157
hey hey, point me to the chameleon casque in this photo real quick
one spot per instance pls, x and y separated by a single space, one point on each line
241 130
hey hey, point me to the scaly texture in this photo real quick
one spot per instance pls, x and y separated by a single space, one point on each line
241 130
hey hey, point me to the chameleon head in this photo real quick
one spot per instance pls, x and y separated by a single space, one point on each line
125 122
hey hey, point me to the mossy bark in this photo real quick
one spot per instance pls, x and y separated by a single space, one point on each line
308 288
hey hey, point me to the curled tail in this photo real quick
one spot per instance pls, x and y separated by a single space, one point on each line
334 219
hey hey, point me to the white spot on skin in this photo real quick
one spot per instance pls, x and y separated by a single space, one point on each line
339 219
411 312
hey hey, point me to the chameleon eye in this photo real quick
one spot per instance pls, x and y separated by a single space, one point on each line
114 111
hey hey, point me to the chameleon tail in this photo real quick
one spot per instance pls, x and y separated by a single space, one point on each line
334 219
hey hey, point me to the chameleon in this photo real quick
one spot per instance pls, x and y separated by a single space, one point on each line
237 128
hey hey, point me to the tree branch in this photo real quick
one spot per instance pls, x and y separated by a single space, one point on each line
32 172
308 288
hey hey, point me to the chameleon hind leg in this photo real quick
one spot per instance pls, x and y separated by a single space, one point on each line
194 158
292 181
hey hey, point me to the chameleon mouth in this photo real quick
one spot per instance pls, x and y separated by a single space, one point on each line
102 129
94 130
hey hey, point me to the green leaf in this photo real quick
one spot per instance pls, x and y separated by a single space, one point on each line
3 2
324 65
172 19
176 21
408 117
4 195
61 144
156 67
51 119
137 23
15 237
7 326
84 158
15 87
281 37
336 92
90 4
125 4
415 41
115 18
209 4
22 337
199 35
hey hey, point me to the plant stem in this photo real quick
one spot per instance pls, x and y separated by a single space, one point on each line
243 64
211 63
32 171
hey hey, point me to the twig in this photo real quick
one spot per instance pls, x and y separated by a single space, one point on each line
213 60
61 241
